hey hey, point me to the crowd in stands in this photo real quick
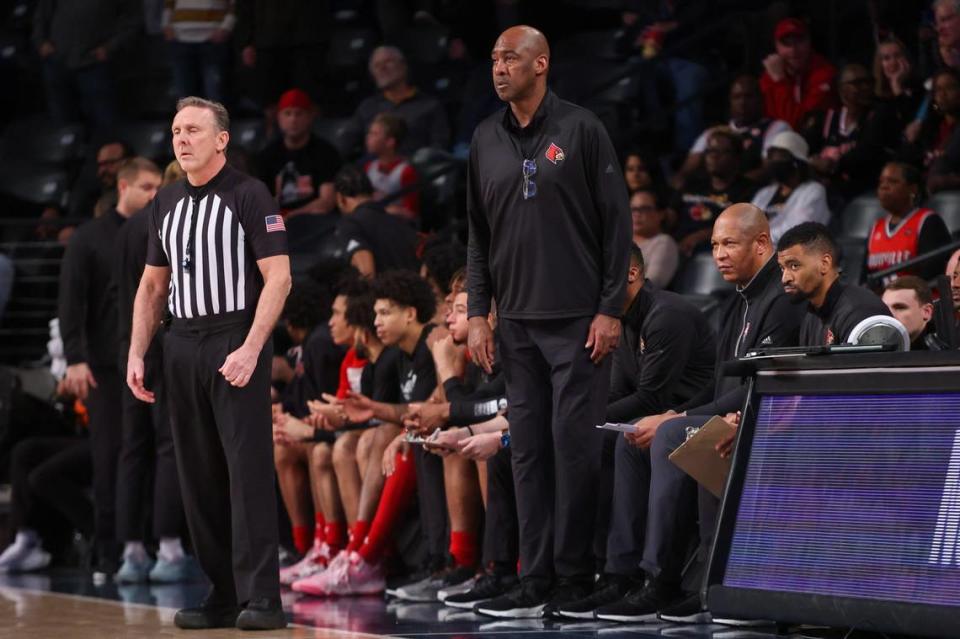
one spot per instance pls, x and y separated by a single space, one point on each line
382 422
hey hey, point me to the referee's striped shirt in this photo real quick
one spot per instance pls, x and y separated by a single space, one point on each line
211 238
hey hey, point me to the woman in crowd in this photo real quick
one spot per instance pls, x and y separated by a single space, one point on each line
907 230
660 252
793 196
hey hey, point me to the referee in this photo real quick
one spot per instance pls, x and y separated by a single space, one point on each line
217 258
549 240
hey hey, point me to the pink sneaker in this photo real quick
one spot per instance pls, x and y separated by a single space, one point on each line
318 584
360 578
346 575
313 562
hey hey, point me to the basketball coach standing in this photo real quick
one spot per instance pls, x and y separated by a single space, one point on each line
549 241
217 258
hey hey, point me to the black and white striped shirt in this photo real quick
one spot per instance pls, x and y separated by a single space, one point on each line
212 237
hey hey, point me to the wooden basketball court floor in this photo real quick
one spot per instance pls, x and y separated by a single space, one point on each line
68 605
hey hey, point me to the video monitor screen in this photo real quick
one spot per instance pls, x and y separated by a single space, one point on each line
854 496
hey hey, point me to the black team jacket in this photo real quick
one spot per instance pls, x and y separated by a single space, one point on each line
476 398
758 314
88 294
845 306
666 355
563 251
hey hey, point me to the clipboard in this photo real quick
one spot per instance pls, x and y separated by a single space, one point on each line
698 458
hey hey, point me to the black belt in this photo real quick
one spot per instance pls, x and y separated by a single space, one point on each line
205 323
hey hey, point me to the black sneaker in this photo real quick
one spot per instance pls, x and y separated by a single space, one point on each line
212 613
262 614
609 589
566 592
641 604
486 588
525 601
690 610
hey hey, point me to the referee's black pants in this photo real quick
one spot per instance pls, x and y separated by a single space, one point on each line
556 395
103 406
224 448
148 467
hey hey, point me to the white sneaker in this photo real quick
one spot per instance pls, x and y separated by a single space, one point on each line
15 553
36 559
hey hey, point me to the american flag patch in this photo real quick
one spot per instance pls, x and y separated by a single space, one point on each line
274 223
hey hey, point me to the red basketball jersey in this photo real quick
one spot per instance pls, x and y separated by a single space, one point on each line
890 245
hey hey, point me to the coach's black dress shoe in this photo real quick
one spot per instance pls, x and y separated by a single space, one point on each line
206 616
262 614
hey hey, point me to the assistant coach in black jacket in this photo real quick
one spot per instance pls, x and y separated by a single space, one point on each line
146 453
88 323
666 355
759 313
807 254
549 240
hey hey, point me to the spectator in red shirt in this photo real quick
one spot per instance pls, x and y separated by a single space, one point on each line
796 79
389 171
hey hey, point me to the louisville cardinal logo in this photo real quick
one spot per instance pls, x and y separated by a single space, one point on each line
828 338
555 153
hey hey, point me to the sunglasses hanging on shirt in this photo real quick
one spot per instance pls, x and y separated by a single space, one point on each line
529 186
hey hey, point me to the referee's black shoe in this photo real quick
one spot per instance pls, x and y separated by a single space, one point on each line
212 613
262 614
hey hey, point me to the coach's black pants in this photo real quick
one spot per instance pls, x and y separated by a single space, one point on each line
556 397
224 449
432 499
148 467
103 406
672 505
49 477
628 514
500 536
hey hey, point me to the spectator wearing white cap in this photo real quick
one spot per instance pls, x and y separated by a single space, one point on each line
793 196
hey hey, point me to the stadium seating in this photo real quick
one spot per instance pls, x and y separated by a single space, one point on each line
602 45
350 50
425 44
248 134
38 140
149 139
35 185
699 276
853 255
947 205
439 195
859 215
341 133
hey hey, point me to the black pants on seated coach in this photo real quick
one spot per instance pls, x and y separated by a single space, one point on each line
557 396
224 446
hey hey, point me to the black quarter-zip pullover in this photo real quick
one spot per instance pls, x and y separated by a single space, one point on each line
563 250
844 307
